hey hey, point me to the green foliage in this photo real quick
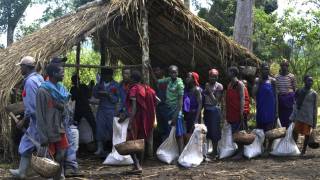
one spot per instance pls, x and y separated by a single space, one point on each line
86 75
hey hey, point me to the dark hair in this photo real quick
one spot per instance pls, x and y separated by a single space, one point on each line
136 76
305 77
234 70
75 77
52 69
106 71
58 60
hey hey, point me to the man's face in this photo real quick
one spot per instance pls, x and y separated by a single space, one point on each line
189 78
265 71
284 67
173 73
158 72
230 74
213 78
308 82
60 75
126 75
23 69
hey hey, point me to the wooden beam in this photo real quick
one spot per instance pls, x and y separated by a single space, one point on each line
100 67
78 52
103 52
145 43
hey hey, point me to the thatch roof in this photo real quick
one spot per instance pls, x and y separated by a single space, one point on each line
177 36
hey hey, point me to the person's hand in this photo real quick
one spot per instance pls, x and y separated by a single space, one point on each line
21 123
122 117
43 150
173 122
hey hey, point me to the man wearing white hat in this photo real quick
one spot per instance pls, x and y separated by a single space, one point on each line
31 83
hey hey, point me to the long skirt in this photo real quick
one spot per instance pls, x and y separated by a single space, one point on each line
212 118
104 122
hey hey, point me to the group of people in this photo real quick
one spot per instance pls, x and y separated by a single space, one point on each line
169 99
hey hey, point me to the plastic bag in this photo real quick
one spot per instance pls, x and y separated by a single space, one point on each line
256 148
85 132
226 146
119 136
168 151
287 146
192 154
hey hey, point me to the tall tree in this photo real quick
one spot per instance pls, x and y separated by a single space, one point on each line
11 11
243 25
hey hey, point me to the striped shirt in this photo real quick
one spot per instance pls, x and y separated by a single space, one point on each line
286 84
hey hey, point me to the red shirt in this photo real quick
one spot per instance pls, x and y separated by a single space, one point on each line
233 104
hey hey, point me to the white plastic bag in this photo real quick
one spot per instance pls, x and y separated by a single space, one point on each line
256 148
226 146
119 136
287 146
168 151
85 132
192 154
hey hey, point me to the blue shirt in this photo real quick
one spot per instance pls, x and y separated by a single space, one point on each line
31 84
111 87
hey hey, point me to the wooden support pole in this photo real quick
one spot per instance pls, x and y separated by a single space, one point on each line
78 52
145 43
103 52
101 67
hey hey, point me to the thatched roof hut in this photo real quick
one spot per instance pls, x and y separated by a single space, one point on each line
176 36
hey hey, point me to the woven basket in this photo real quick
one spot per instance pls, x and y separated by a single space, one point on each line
45 167
130 147
244 138
276 133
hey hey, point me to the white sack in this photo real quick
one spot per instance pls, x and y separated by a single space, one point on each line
256 148
168 151
226 146
85 132
287 146
119 136
192 155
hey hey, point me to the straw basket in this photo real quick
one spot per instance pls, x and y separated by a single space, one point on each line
242 137
45 167
130 147
276 133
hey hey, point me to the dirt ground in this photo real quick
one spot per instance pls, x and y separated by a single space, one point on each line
306 167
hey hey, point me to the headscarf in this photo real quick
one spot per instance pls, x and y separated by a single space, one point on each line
195 78
214 72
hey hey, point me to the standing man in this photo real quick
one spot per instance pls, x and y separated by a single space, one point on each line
305 112
81 94
107 90
174 102
237 105
31 83
265 93
212 111
51 101
141 105
286 86
124 88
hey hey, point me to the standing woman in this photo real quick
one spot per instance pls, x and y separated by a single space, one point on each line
212 112
192 101
286 86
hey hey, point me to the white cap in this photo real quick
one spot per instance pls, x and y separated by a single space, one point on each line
27 60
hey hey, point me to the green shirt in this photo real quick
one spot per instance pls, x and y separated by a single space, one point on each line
174 90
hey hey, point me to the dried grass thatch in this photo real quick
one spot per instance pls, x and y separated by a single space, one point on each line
176 37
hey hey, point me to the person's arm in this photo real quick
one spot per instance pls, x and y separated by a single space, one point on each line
41 111
242 99
210 92
315 111
133 110
255 88
199 101
113 96
153 76
275 92
294 83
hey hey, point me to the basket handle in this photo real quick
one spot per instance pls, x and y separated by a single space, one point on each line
46 153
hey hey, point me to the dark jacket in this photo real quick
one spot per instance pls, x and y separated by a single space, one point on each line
49 118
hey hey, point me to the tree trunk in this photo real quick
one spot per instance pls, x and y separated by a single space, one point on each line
187 4
10 33
78 52
243 25
145 45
